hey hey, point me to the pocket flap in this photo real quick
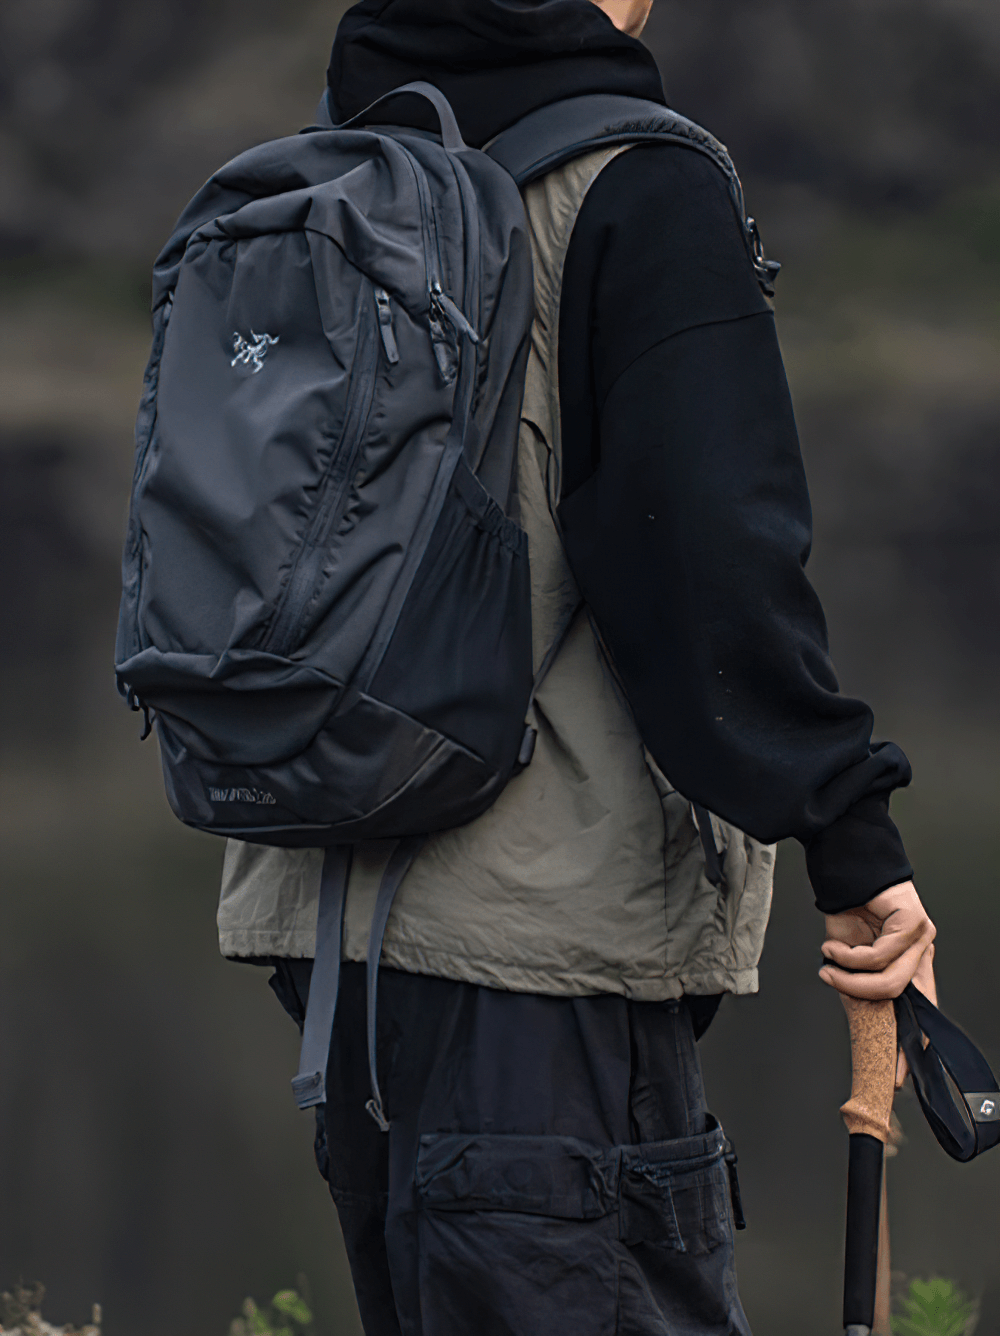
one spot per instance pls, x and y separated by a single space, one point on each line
676 1193
555 1176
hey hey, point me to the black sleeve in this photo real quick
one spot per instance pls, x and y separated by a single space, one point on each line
686 519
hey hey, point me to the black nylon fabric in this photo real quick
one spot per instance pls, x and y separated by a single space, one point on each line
495 60
550 1168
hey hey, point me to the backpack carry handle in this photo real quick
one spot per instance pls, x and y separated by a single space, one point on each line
451 135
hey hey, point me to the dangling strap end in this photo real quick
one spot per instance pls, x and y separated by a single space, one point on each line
309 1083
396 869
309 1089
374 1108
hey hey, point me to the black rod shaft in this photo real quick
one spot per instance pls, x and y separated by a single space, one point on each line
864 1198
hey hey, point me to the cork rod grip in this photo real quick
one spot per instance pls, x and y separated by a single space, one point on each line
873 1067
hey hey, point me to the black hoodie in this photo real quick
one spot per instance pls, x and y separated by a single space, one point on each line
494 60
685 512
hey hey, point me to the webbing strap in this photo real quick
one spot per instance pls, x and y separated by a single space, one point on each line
560 131
964 1130
396 869
309 1084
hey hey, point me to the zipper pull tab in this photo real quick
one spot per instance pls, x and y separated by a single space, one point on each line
451 312
136 705
385 325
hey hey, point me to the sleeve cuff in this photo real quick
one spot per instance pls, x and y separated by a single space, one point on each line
858 855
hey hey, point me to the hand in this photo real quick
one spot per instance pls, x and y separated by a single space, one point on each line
889 942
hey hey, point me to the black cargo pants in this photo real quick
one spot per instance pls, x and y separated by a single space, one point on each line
550 1169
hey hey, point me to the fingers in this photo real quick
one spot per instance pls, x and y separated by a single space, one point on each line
853 928
881 956
877 985
915 964
901 933
874 951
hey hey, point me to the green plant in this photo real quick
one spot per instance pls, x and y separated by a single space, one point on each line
936 1307
288 1315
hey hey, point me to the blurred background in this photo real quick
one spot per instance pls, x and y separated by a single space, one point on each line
150 1154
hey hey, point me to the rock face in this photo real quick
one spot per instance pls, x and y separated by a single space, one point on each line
20 1315
114 112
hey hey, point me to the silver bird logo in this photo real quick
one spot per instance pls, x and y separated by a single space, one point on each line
254 352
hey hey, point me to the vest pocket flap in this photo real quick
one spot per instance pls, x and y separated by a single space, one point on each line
553 1176
676 1194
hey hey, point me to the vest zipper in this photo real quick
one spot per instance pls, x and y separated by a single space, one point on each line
304 578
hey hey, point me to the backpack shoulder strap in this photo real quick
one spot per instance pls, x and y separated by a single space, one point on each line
554 134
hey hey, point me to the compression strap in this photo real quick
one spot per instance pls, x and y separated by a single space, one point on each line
309 1084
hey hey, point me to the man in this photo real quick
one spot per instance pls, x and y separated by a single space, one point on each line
550 1164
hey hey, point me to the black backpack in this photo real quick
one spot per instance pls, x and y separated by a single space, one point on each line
326 596
326 599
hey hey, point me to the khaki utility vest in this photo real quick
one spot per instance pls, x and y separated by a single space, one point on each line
587 875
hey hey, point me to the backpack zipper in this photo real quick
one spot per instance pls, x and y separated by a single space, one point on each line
439 303
134 534
151 384
428 219
443 310
304 578
385 325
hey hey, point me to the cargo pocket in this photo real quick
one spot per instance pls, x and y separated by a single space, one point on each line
518 1235
676 1193
676 1227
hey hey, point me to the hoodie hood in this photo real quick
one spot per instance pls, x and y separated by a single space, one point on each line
494 60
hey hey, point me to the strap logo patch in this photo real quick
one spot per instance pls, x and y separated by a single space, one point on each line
254 352
242 796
